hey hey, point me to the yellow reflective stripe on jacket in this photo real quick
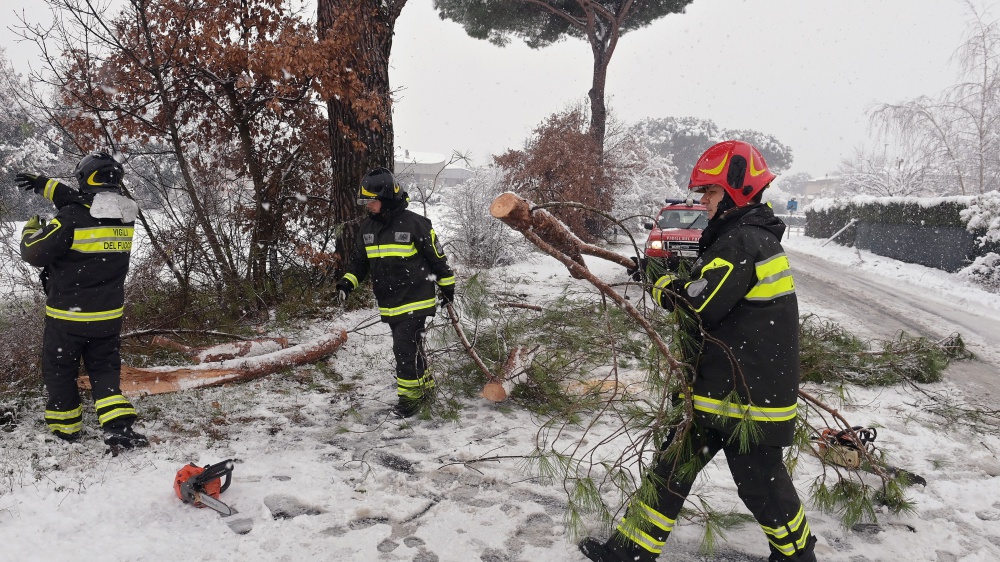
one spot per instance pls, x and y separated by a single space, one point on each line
774 279
352 278
434 244
444 282
67 415
102 239
641 538
32 233
76 316
407 308
756 413
658 287
50 189
717 263
391 251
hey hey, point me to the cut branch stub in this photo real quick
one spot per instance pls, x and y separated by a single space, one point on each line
516 213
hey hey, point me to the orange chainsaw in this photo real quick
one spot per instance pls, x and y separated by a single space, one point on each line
202 486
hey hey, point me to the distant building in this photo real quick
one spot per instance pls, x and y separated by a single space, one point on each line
820 187
420 168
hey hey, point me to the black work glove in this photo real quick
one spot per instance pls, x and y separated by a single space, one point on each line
673 262
31 182
637 270
344 289
447 293
655 268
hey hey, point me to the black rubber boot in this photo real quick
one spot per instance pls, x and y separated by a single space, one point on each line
124 437
614 550
407 407
596 551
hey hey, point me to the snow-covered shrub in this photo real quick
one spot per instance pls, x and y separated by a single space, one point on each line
985 271
983 218
475 238
645 179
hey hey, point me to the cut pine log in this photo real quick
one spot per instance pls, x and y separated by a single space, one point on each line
137 381
516 213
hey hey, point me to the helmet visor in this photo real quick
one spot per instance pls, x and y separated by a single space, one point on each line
364 201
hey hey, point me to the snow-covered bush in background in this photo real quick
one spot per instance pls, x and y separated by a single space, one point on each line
645 179
983 216
474 238
984 271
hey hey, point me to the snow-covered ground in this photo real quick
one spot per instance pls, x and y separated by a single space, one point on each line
322 474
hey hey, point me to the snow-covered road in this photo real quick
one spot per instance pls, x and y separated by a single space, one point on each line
903 298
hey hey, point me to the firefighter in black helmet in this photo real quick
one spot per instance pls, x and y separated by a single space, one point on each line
84 255
401 251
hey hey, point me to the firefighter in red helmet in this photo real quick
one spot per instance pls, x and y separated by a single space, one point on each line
740 315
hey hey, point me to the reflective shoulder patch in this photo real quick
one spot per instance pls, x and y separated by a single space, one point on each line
696 287
369 238
403 237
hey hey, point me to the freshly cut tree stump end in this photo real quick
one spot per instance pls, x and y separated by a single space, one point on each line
494 392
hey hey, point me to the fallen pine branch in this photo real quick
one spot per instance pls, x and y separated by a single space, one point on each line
489 391
137 381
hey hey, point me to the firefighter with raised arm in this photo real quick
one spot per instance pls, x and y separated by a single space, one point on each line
403 254
84 254
740 313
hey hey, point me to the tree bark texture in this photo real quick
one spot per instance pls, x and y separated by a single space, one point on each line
518 214
361 135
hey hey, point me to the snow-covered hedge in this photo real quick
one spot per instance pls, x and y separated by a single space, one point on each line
947 232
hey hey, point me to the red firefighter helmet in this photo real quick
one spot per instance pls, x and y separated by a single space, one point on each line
735 166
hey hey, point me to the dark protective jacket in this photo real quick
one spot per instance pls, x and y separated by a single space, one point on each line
742 317
404 256
85 252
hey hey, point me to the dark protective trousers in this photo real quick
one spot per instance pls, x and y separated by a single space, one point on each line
762 482
412 378
61 355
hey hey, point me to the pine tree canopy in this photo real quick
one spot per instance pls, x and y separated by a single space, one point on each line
543 22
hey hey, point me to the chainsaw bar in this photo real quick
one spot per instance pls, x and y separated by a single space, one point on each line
210 502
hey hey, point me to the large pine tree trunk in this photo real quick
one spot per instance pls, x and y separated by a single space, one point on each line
360 125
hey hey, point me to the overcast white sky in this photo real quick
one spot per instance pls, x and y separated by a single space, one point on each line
802 71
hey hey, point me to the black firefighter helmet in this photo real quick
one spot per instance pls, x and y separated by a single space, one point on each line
99 171
379 184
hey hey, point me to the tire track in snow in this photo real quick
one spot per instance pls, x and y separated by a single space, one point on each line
885 306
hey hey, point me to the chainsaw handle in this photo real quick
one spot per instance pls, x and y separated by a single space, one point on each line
217 470
228 480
